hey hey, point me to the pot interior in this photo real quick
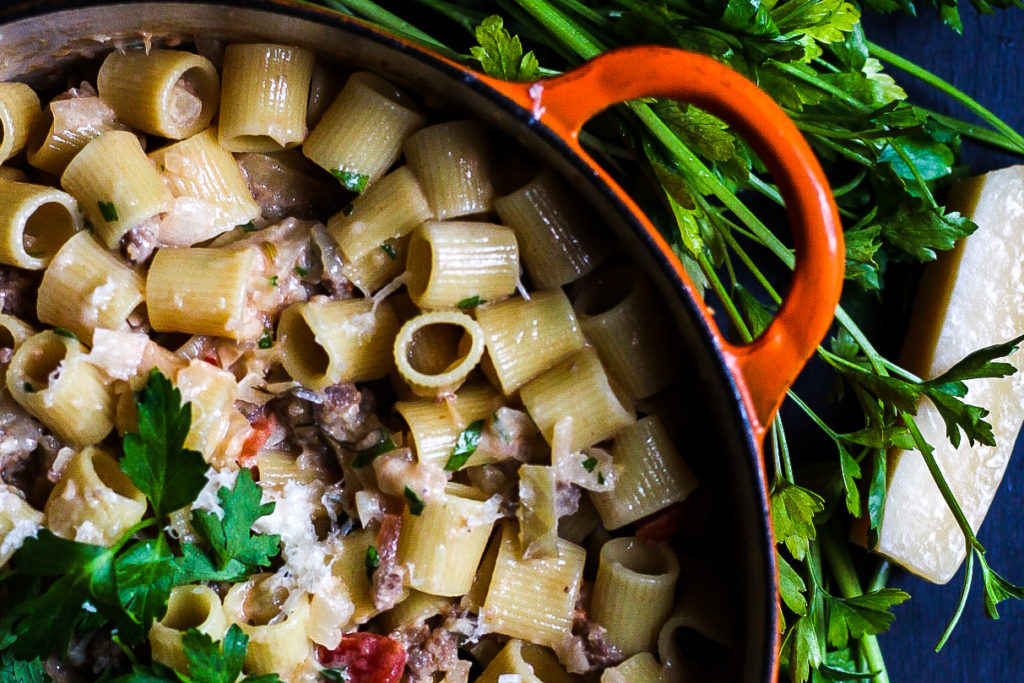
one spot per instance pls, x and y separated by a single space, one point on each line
712 430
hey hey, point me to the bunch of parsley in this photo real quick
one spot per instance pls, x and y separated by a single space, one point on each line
888 162
59 589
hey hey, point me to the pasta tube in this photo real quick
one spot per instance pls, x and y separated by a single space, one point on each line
361 134
632 597
117 186
93 501
19 114
18 521
435 427
66 127
197 607
88 287
525 337
557 236
578 391
50 378
533 599
442 544
453 163
530 663
435 352
461 264
337 341
264 93
277 639
169 93
618 315
652 475
203 290
35 220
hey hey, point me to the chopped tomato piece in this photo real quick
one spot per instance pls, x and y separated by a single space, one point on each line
367 658
262 428
212 358
663 526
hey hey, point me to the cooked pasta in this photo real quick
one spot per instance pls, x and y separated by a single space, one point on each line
386 427
19 114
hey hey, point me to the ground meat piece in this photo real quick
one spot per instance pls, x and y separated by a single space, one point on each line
345 412
26 453
287 184
586 648
139 243
389 577
430 651
16 292
567 498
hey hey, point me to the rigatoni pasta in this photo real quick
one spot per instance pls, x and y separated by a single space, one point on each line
116 185
361 134
35 220
171 93
19 114
428 448
264 92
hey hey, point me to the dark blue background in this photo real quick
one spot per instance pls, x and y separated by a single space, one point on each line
986 63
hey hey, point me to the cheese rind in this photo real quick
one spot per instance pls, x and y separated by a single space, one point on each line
970 299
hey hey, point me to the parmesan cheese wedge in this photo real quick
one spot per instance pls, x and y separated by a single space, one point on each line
971 298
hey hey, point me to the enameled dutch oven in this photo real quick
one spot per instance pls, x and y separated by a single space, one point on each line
734 390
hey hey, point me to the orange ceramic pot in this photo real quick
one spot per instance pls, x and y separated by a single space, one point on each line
735 390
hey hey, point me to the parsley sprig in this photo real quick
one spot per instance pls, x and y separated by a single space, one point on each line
60 587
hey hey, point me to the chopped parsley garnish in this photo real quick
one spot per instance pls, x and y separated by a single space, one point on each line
590 463
368 455
108 211
209 661
351 181
471 302
349 208
416 503
265 341
465 446
600 478
389 249
337 674
27 386
248 227
65 333
301 272
372 560
273 281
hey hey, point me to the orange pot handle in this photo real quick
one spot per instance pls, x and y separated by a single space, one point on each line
769 365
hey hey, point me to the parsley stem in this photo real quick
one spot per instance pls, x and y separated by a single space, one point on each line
723 296
965 591
928 453
840 563
387 20
947 89
127 536
977 133
880 577
562 28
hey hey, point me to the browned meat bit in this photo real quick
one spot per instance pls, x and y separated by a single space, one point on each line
346 413
389 577
16 292
287 184
139 243
586 649
26 453
430 651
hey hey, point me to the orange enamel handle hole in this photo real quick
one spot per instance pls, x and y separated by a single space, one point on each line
768 366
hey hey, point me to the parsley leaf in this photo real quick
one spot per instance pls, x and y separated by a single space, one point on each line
265 341
590 463
338 675
862 615
144 575
793 510
470 302
372 560
997 588
791 587
169 474
230 537
389 249
19 671
465 446
107 210
501 54
356 182
416 503
368 455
